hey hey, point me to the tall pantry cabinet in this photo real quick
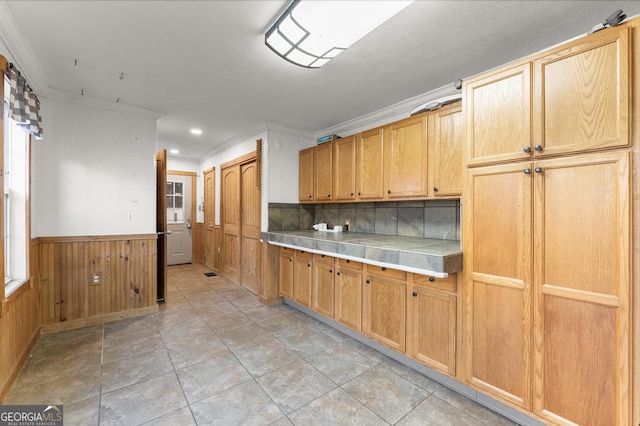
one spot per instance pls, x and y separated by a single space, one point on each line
547 219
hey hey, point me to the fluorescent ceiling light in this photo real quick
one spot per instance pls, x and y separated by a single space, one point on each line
310 33
174 151
196 131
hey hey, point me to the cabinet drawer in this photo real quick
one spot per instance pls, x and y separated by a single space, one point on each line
323 258
303 254
285 251
351 264
444 284
386 272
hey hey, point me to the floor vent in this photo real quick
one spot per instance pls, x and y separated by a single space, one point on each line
210 274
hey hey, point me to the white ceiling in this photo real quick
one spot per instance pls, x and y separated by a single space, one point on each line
204 63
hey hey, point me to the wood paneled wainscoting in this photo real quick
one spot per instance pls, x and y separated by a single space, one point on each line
125 266
19 327
198 243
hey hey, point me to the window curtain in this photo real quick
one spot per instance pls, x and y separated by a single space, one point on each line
24 106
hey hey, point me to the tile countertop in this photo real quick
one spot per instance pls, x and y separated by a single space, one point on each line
425 256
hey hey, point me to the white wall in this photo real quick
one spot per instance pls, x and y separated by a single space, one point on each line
282 165
93 173
182 164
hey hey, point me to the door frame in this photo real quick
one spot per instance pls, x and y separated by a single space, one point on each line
194 176
161 225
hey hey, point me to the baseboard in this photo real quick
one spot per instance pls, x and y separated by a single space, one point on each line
98 319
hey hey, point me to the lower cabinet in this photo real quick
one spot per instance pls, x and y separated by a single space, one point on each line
286 272
432 322
302 278
385 307
322 296
348 287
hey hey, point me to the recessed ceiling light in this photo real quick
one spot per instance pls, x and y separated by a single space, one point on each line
174 151
196 131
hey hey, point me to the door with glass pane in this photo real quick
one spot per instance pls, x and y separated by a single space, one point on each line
179 242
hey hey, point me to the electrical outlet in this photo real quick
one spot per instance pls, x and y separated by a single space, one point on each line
95 278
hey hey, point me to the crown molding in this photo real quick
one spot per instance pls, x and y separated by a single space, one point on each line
386 115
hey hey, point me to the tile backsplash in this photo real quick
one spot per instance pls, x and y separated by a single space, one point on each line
427 219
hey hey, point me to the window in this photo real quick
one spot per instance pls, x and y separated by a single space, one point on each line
175 196
16 175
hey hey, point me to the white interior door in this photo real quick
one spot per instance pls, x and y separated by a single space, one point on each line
179 219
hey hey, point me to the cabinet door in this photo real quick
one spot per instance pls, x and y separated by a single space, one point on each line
385 305
432 325
445 148
323 172
302 279
406 158
583 289
497 108
348 304
323 288
344 169
370 165
286 273
582 90
305 175
498 265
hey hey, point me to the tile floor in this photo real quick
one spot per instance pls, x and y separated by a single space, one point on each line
214 355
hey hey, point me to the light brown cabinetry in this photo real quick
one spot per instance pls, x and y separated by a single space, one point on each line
405 151
497 247
323 293
305 175
548 300
370 165
582 94
348 285
385 306
323 172
302 278
432 322
286 272
344 169
445 143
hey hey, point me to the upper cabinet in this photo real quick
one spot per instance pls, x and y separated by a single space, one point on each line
370 165
581 94
498 115
323 172
305 175
405 151
445 151
577 94
344 171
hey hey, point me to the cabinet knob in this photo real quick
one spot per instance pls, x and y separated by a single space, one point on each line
337 273
538 169
388 191
538 148
383 268
414 294
290 260
309 265
358 194
431 279
310 196
527 149
527 171
331 271
435 189
352 194
329 196
368 282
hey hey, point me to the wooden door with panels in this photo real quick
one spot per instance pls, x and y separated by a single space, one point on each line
210 249
250 225
231 220
498 297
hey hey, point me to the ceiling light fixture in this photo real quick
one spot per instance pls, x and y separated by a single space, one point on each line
310 33
196 131
174 151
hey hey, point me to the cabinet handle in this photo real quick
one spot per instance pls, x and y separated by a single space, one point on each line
538 148
310 196
352 194
431 279
368 282
527 149
337 273
527 171
414 294
538 169
309 265
435 189
290 260
329 195
331 271
383 268
388 191
358 194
